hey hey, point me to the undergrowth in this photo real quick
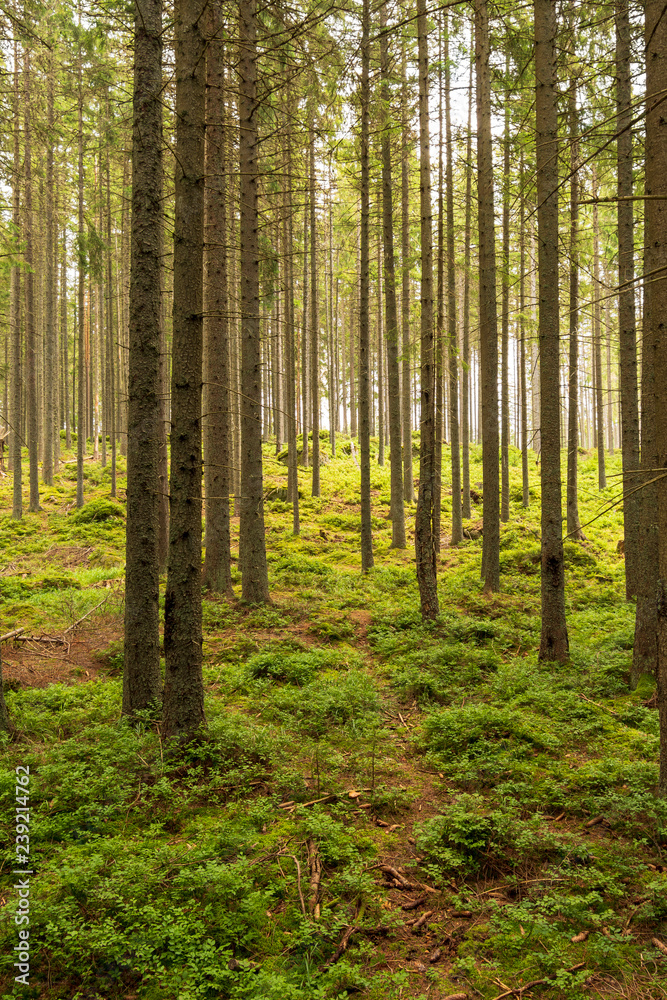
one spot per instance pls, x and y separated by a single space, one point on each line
343 734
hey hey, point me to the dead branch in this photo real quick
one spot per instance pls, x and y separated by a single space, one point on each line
83 617
11 635
520 990
315 869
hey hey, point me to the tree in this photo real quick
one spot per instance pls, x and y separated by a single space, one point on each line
424 541
457 527
364 302
15 314
488 315
391 316
406 407
217 431
183 706
255 583
626 302
554 640
142 680
573 524
654 316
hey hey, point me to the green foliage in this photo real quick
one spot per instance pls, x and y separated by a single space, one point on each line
96 510
172 866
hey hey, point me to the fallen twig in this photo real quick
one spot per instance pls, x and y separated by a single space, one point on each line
315 868
657 943
298 881
598 705
422 921
11 635
415 903
520 990
83 617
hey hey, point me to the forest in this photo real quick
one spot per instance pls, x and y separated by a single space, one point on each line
333 503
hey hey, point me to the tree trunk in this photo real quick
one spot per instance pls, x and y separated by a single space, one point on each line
65 342
573 524
408 484
291 380
184 689
80 388
217 453
305 373
554 640
30 331
645 651
50 383
314 323
626 304
597 342
111 334
255 586
364 303
488 317
15 313
504 321
142 681
522 339
391 317
465 374
424 540
457 524
654 317
380 333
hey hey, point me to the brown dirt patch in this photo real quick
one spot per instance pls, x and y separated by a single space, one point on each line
68 555
38 664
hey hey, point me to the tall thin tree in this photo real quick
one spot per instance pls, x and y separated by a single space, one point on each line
488 314
424 541
554 640
364 301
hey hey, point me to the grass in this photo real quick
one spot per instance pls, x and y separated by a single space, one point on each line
344 729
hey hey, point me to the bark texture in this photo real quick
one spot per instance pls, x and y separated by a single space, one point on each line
554 639
573 524
424 540
626 303
406 401
364 303
255 580
183 713
655 316
391 317
488 314
217 430
142 682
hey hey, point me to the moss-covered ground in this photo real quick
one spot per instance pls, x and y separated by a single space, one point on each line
515 799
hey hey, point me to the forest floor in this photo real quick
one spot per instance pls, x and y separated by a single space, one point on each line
382 807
